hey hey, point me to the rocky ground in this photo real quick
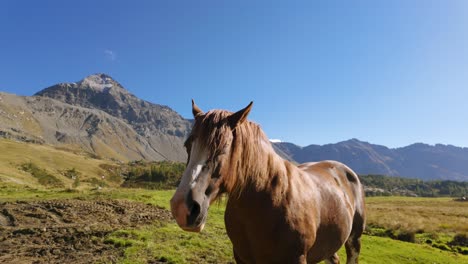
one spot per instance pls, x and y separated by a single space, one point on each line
69 231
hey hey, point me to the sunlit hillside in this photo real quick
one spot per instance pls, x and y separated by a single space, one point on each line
66 166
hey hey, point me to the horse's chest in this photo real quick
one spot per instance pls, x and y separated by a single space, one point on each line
262 234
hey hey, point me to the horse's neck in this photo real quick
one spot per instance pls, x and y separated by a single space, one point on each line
269 176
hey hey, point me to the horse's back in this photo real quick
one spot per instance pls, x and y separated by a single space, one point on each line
332 171
336 176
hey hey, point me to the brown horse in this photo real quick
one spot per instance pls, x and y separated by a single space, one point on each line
276 212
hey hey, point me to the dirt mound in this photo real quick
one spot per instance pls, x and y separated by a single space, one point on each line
68 231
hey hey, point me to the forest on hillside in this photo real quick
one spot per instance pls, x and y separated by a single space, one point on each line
381 185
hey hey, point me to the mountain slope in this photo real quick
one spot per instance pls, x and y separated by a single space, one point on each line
418 160
436 162
55 161
164 130
44 120
99 116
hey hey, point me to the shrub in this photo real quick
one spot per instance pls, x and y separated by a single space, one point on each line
407 236
390 233
459 240
96 183
402 235
71 173
113 172
42 176
76 182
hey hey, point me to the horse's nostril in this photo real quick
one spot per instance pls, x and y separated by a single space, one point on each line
195 209
194 213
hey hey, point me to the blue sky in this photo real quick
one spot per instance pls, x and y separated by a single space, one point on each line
387 72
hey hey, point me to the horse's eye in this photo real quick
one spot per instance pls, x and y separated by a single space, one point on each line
216 174
205 166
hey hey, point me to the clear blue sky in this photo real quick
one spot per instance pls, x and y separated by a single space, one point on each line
391 73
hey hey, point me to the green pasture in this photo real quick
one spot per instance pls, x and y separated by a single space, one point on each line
166 243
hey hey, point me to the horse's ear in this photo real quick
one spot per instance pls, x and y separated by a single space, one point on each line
240 116
196 111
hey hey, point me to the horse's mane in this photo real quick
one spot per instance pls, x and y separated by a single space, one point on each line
252 162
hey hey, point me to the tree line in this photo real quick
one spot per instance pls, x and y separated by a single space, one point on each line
381 185
152 175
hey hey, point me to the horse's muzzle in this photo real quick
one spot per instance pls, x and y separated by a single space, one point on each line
189 214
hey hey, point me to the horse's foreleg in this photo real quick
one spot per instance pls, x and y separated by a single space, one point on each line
237 258
333 259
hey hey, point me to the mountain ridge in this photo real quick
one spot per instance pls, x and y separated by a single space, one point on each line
418 160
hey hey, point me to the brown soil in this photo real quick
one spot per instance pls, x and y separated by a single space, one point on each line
69 231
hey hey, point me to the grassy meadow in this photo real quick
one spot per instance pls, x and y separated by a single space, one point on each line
167 243
418 215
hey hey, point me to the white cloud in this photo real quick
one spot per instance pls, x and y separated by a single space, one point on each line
111 55
276 140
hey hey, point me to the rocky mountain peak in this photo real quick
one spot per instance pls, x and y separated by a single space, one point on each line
101 92
353 142
101 82
97 91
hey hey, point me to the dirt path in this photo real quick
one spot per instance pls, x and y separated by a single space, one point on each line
68 231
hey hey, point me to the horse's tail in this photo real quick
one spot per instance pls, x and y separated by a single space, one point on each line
358 192
353 244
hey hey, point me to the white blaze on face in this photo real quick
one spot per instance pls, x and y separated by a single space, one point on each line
198 157
195 173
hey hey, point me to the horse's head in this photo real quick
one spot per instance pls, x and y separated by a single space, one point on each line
209 149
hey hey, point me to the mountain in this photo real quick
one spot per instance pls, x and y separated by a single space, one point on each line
97 115
444 162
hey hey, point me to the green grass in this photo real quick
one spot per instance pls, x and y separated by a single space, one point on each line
385 250
169 243
166 242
